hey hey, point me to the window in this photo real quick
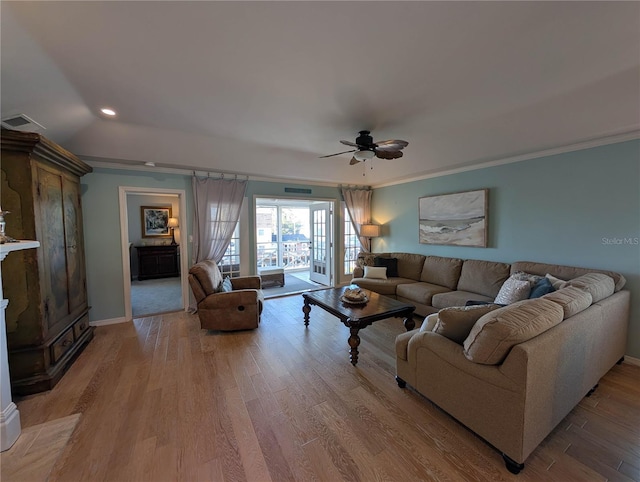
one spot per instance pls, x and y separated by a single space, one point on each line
230 262
351 244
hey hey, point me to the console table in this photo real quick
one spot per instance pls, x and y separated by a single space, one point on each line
158 261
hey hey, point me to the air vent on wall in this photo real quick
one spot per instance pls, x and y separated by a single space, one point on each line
21 122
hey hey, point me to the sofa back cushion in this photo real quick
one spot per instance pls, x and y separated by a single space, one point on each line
409 265
495 333
598 285
483 277
565 272
573 300
441 271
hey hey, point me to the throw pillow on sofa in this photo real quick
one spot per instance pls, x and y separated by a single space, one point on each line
524 276
456 322
493 335
557 283
513 290
226 285
373 272
390 263
541 288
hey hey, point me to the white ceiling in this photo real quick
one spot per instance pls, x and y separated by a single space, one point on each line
264 88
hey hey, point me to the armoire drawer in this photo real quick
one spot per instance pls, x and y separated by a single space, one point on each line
61 346
81 326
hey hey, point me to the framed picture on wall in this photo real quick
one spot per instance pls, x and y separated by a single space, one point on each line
456 219
155 221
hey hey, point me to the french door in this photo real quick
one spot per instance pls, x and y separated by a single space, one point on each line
320 215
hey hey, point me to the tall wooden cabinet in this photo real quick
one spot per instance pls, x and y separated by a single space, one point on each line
47 318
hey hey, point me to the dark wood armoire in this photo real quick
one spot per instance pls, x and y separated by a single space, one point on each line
47 316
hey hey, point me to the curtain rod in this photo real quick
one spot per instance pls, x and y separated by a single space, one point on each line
220 174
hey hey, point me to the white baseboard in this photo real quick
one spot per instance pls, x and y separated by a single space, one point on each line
631 360
9 426
111 321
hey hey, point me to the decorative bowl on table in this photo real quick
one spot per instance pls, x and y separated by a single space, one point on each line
354 296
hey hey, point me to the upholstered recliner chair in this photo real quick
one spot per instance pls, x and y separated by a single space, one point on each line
238 309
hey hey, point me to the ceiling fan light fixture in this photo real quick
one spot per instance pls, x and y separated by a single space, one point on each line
364 155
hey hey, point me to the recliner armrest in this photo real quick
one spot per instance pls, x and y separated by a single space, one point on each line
246 283
229 299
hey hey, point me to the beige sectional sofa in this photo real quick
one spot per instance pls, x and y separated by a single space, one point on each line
522 367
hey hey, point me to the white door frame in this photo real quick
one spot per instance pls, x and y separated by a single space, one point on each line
328 251
123 191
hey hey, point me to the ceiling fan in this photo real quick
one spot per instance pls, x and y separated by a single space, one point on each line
367 149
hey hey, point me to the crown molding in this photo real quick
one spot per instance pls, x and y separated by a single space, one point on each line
589 144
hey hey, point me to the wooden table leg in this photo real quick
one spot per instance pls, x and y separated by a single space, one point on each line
354 341
306 309
409 324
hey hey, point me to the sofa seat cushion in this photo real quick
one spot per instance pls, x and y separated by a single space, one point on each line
441 271
493 335
456 322
381 286
457 298
572 299
420 292
484 277
598 285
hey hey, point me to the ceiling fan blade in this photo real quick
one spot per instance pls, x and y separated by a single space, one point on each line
393 144
388 154
338 153
353 161
348 143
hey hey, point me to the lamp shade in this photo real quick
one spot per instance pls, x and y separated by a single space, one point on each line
364 155
173 223
370 230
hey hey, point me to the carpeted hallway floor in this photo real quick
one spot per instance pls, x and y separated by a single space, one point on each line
153 296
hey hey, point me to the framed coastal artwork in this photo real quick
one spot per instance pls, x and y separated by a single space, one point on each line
155 221
456 219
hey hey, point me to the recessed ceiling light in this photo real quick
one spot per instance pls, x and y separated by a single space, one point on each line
107 111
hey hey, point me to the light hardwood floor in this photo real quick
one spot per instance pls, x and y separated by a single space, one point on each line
161 399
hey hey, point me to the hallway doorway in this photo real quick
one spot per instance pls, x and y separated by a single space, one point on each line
148 293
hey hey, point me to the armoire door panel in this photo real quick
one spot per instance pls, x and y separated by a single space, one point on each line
54 266
74 244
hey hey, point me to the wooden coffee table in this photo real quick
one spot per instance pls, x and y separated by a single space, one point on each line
355 316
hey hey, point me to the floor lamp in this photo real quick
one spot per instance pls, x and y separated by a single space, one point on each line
370 231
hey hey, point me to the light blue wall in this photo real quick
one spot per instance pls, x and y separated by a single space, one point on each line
101 217
100 206
564 209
